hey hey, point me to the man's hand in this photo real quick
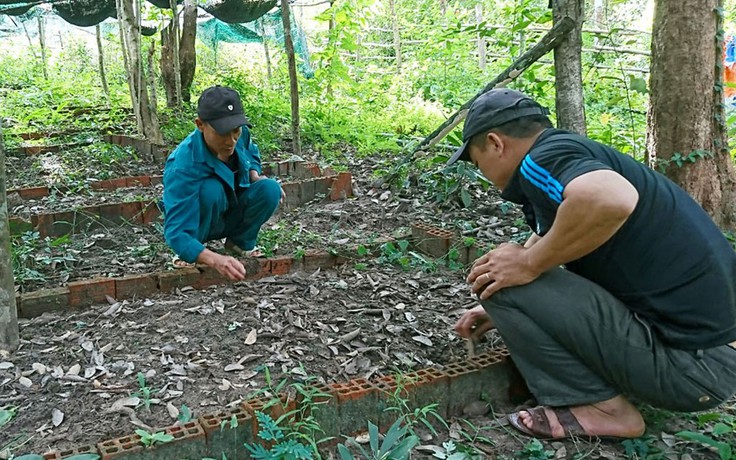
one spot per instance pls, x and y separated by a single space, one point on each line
503 267
227 266
255 177
474 323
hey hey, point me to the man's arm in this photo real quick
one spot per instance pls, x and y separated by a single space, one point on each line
595 206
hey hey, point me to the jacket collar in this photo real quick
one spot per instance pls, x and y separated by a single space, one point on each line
201 153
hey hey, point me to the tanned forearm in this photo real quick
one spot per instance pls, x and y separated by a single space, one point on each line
595 207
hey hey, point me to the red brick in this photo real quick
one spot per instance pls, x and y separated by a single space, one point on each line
120 447
45 300
156 180
42 223
32 149
31 193
342 187
281 265
110 213
90 292
110 184
283 168
132 212
18 225
177 278
322 185
150 213
63 223
136 286
140 181
208 276
67 453
314 259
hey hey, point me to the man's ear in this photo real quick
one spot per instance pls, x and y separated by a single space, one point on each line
494 141
200 124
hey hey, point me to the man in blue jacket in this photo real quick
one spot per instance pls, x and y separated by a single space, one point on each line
213 187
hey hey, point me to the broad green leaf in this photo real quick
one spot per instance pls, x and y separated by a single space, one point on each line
465 196
6 415
373 436
344 452
721 428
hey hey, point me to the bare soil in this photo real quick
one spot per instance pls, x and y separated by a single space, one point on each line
359 320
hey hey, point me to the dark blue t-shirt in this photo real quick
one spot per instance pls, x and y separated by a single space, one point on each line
669 262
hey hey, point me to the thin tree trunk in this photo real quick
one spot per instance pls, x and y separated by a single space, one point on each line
265 49
294 83
568 68
151 75
9 338
30 42
42 41
397 34
101 61
167 64
129 18
482 59
686 135
129 75
599 14
187 51
175 42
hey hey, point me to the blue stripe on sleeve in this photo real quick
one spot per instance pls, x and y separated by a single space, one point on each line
542 179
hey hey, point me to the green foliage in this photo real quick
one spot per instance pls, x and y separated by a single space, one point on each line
399 254
640 448
534 450
397 444
678 159
452 452
6 415
29 252
719 433
151 439
283 448
144 391
185 414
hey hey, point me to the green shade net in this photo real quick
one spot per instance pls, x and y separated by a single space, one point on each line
238 11
85 13
15 9
213 31
163 3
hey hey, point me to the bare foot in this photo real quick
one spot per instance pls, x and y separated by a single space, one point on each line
614 417
240 252
178 263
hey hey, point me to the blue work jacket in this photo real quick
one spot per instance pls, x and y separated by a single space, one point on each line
185 170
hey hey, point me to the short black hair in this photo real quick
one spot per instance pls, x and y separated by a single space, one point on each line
519 128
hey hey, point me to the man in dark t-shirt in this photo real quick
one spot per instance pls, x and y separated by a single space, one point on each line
646 304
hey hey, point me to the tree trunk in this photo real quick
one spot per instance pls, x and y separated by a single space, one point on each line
686 136
568 68
8 314
151 75
42 41
599 15
101 61
482 59
167 65
146 115
175 51
187 52
266 51
294 83
397 34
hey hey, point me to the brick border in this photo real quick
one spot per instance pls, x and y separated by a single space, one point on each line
336 187
341 408
438 242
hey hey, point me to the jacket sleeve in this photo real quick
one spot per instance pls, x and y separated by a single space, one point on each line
181 218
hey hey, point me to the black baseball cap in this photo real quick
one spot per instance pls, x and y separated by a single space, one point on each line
220 106
492 109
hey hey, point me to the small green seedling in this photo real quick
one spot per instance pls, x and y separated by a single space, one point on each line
144 392
151 439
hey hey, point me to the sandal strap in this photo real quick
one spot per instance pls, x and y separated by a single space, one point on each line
568 421
540 422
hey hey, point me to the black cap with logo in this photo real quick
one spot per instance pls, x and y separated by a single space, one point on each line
492 109
220 106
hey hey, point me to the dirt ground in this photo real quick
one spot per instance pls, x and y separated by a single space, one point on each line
208 349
